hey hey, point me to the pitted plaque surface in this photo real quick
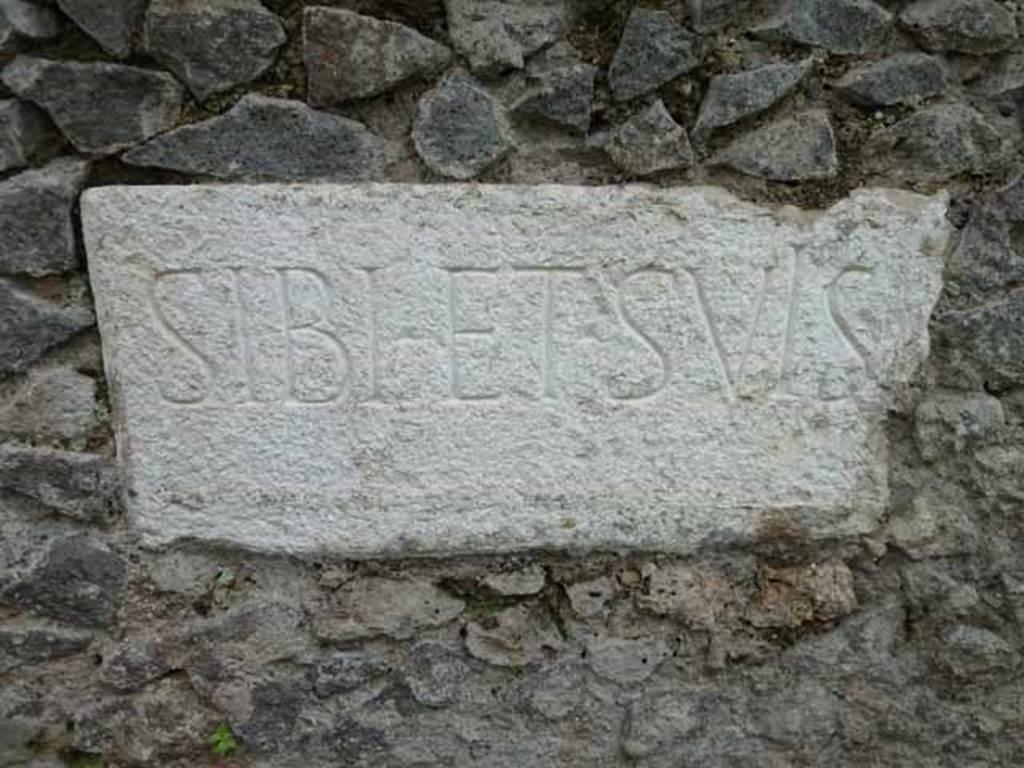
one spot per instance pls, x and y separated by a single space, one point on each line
403 369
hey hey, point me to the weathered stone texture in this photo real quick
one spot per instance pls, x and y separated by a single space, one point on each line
460 129
212 46
81 98
35 218
650 142
841 26
731 98
274 139
114 24
798 148
54 406
498 35
25 134
561 96
967 26
22 23
899 79
32 326
350 56
79 485
653 50
578 380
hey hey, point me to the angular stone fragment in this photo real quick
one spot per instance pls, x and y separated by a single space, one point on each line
902 78
55 405
840 26
33 326
22 23
81 98
459 129
525 581
711 15
350 56
936 523
561 97
498 35
435 672
214 46
966 26
986 258
653 50
36 227
346 671
374 606
988 340
78 583
111 23
22 647
25 134
79 485
131 665
972 652
515 637
701 597
731 98
626 661
798 148
946 423
791 596
650 142
370 445
592 598
274 139
941 142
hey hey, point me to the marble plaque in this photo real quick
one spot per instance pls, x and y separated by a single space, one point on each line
376 370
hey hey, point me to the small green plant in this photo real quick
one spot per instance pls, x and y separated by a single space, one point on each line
223 742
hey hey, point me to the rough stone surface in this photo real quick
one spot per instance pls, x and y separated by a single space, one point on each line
393 356
988 340
21 647
624 660
390 607
731 98
498 35
111 23
562 97
54 406
903 78
22 23
80 98
25 134
942 141
840 26
791 596
212 46
795 148
650 142
460 129
967 26
516 637
78 485
36 224
77 582
711 15
591 598
525 581
653 50
948 422
32 326
273 139
350 56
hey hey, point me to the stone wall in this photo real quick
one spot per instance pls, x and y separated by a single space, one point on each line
902 648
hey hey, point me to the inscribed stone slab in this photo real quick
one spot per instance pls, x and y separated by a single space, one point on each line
402 369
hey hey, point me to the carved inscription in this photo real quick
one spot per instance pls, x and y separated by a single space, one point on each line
374 370
291 331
